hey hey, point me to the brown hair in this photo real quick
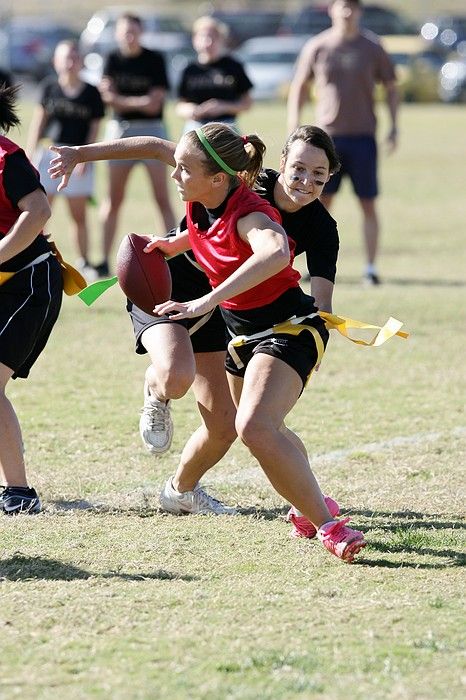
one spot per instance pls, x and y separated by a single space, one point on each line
8 115
244 154
315 137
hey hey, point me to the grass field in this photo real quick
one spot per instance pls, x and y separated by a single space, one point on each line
103 596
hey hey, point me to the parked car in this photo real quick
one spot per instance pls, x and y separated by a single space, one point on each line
269 62
417 66
246 24
446 32
452 80
314 19
99 33
28 44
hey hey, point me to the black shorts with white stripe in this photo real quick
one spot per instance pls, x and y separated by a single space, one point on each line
29 306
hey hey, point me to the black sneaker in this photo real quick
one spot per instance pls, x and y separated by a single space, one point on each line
102 269
371 279
19 499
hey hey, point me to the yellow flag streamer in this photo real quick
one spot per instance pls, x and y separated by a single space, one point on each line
5 276
343 325
73 281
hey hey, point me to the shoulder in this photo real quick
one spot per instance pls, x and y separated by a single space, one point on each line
319 40
370 40
266 183
152 55
230 62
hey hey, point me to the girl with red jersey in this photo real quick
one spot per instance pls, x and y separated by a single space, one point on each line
30 298
277 335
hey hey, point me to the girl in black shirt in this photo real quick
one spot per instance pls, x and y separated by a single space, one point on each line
69 113
215 87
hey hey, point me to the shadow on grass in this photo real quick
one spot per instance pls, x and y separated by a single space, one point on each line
142 510
387 564
21 568
426 521
264 513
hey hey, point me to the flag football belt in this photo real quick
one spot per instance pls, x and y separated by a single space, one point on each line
295 326
292 326
73 281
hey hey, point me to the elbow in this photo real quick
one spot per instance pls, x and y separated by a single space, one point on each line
280 259
43 214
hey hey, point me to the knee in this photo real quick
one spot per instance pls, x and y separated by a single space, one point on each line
222 429
170 383
251 431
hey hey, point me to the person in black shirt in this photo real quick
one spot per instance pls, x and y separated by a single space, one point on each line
30 298
69 113
215 87
134 86
181 355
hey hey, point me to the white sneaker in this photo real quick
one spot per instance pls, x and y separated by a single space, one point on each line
155 424
196 502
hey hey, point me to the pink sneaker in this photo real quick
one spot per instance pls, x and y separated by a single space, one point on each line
302 527
340 540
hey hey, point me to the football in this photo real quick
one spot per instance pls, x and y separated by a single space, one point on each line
144 277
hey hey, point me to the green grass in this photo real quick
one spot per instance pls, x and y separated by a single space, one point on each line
103 596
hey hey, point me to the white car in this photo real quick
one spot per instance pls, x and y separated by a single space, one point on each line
269 63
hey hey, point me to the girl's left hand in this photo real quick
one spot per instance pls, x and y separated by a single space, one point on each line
185 309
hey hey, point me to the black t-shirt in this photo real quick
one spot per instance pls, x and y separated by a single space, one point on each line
312 227
224 79
69 118
136 76
19 180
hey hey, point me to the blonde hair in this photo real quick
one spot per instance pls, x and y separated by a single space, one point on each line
244 154
211 23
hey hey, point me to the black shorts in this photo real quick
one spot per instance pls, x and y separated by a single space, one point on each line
298 351
188 282
29 306
211 336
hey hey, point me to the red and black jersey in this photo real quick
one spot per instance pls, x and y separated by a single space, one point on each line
220 250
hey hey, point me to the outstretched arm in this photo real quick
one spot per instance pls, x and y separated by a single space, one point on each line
137 147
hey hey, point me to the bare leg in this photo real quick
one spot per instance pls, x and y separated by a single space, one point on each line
211 441
12 465
158 177
173 367
77 207
118 177
370 228
270 390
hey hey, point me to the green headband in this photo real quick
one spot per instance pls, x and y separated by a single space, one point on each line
212 152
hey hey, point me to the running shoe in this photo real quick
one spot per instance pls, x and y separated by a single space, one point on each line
302 527
155 424
342 541
19 499
196 502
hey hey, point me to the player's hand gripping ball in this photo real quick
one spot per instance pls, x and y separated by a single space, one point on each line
144 277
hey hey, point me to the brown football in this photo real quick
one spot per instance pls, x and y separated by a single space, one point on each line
144 277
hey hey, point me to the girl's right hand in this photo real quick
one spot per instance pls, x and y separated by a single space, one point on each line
64 164
159 243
